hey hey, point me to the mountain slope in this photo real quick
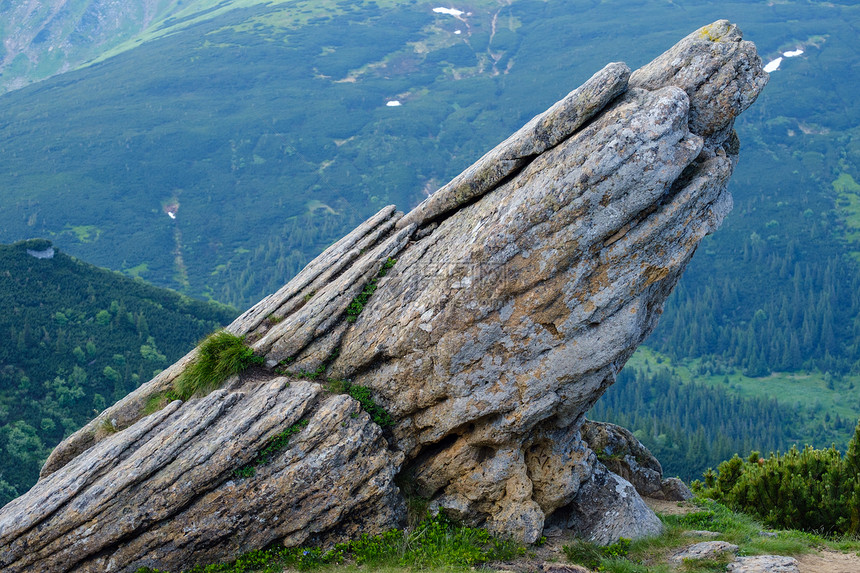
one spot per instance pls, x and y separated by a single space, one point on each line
265 132
41 39
77 338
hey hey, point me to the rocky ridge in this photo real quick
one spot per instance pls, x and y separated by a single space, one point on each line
519 291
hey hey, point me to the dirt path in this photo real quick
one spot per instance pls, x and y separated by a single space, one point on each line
823 561
827 561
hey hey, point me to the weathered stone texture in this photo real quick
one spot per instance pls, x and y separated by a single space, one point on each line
519 292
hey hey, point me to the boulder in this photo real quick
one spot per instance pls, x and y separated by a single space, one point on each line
518 293
704 550
623 454
764 564
607 508
673 489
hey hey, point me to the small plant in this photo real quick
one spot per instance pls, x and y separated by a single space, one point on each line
220 356
281 368
362 394
591 555
357 304
436 542
274 319
273 446
108 426
313 374
159 400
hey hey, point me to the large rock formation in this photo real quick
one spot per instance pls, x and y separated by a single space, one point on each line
520 290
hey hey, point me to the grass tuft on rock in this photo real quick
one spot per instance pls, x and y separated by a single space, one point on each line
220 356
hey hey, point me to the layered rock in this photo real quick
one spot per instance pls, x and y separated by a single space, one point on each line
519 291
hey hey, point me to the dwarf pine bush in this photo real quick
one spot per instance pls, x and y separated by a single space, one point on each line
809 489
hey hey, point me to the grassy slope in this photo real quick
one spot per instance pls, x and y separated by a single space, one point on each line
241 121
137 132
808 391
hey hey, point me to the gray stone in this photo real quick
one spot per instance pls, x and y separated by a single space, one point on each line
518 295
548 567
623 454
764 564
703 533
607 508
704 550
673 489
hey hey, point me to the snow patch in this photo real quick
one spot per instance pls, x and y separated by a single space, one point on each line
458 31
449 11
171 214
772 66
792 53
393 103
46 254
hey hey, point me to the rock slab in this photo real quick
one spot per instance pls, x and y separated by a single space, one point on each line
704 550
764 564
519 292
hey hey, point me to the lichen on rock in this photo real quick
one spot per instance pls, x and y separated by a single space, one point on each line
520 290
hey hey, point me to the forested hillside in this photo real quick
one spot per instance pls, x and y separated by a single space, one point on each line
77 338
220 158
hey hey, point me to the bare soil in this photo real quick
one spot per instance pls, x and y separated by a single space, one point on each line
827 561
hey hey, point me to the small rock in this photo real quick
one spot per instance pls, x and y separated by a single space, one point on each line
703 533
674 489
767 533
764 564
704 550
548 567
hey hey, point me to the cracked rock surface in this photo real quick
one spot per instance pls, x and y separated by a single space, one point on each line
520 289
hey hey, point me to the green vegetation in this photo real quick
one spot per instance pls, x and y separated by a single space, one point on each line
78 338
765 320
649 555
363 395
360 393
692 414
591 555
436 543
272 447
357 305
812 490
159 400
220 356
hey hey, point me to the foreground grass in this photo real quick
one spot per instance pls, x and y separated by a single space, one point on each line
435 543
651 555
438 545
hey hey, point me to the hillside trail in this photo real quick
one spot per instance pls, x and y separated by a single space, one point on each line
827 561
821 561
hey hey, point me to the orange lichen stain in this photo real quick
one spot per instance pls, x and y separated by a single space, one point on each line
653 274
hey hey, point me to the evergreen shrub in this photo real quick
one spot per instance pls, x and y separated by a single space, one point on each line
810 489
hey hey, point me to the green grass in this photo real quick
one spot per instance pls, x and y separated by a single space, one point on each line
650 555
363 395
435 544
159 400
848 207
272 447
220 356
357 304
